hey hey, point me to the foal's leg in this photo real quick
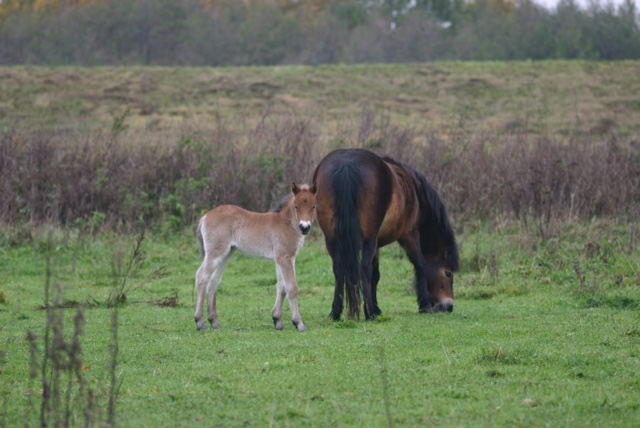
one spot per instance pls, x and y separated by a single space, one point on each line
214 284
208 279
203 275
281 292
287 268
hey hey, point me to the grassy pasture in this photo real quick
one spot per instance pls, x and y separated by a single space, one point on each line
530 343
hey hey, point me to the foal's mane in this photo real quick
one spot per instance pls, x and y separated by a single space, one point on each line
285 200
282 203
433 217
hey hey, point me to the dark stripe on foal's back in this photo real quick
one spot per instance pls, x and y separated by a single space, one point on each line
281 204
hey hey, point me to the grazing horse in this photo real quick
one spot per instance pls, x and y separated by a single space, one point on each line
366 202
277 235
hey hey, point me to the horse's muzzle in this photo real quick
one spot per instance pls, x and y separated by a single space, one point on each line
444 306
305 227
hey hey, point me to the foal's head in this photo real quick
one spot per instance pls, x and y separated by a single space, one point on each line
304 205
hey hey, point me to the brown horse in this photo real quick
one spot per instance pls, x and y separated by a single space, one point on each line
366 202
277 235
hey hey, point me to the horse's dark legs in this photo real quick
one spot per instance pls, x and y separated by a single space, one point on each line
338 294
411 246
366 270
338 297
375 278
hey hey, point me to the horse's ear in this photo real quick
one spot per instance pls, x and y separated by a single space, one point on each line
294 188
314 188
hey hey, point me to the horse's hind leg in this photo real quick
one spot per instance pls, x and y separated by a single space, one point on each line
338 292
367 270
375 278
287 280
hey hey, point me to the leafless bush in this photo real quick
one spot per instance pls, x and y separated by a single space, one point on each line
537 181
124 180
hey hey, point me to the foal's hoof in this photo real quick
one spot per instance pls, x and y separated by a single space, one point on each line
277 323
201 327
299 326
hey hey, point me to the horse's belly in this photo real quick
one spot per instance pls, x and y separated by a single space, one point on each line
387 235
397 222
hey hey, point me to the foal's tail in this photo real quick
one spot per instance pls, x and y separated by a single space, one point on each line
346 183
200 237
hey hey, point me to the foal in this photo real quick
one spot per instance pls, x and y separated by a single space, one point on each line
277 235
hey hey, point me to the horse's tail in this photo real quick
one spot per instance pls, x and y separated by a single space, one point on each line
346 183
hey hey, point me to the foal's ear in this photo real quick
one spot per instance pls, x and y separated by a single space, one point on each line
314 188
294 188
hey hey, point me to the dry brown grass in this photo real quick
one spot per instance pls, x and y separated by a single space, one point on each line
558 99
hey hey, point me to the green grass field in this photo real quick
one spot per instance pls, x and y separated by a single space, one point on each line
543 334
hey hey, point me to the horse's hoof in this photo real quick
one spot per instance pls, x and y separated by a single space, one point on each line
302 329
201 327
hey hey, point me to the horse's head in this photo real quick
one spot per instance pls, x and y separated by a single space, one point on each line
440 286
304 205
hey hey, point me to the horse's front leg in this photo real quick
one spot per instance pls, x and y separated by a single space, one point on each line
411 245
286 266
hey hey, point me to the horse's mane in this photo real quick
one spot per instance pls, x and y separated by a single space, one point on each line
434 218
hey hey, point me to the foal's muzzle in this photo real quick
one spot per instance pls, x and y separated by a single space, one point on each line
305 227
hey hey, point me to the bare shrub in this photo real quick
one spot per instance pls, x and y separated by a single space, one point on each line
123 180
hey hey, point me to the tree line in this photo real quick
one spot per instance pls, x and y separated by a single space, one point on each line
313 32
